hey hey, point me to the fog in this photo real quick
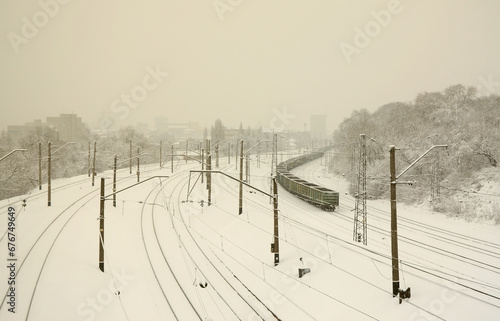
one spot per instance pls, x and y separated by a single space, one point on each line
261 63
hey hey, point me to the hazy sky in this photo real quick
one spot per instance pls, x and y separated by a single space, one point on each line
268 63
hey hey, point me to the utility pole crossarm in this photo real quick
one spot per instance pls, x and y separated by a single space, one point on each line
12 152
62 147
418 159
147 179
262 141
240 181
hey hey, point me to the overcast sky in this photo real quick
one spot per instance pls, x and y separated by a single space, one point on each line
268 63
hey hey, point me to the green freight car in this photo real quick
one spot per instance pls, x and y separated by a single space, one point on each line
320 196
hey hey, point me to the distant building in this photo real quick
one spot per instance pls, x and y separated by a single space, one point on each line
15 132
318 127
161 125
69 127
178 130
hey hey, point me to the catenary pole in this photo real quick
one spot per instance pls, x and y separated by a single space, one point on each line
275 246
101 227
49 169
114 181
138 170
40 166
394 224
93 163
240 211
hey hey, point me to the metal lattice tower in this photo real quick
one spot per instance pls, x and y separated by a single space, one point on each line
360 226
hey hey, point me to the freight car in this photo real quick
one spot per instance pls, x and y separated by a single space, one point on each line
314 194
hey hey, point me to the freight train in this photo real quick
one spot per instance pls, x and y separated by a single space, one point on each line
314 194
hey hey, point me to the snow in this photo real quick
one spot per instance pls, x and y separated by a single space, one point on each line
231 253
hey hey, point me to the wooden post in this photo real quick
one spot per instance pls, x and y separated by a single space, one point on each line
202 162
247 165
101 227
209 179
93 163
208 153
217 156
161 144
89 160
276 245
138 170
130 157
114 182
172 160
229 152
394 225
49 169
186 151
40 166
240 211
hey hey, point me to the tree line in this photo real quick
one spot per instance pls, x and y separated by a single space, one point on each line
458 117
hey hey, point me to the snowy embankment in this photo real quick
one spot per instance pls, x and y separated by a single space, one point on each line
169 256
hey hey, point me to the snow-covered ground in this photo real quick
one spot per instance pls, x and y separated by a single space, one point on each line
168 256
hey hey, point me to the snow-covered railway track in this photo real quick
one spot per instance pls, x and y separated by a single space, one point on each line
36 255
257 206
455 247
170 286
244 305
63 218
439 256
310 172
